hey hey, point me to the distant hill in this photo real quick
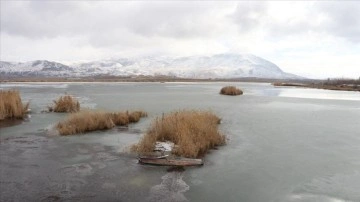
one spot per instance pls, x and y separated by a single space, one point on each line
217 66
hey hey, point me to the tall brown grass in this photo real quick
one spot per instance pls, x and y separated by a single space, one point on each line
343 85
11 106
136 115
230 90
86 121
124 118
195 132
288 84
65 103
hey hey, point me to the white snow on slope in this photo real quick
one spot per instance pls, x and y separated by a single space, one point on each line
216 66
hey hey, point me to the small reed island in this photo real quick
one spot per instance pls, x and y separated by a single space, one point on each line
11 106
192 133
65 104
88 120
231 90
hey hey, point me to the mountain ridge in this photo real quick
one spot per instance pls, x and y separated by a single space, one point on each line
197 67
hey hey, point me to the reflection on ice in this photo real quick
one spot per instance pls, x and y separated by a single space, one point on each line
34 85
81 168
346 187
171 188
319 94
313 197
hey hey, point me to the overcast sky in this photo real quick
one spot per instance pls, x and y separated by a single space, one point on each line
314 39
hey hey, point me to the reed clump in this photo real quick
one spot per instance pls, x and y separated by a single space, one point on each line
124 118
288 84
65 104
193 131
230 90
86 121
135 116
11 106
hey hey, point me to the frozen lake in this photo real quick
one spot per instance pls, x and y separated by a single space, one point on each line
285 144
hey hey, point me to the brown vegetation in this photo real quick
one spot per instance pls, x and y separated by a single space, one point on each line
288 84
329 84
230 90
11 106
86 121
194 133
136 115
65 103
340 84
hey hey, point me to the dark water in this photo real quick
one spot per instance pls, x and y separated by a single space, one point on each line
285 144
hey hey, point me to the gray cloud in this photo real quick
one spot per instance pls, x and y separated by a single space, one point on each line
178 20
344 19
256 16
38 19
341 19
172 19
35 19
249 15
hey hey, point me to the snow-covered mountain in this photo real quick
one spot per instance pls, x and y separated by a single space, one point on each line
35 68
216 66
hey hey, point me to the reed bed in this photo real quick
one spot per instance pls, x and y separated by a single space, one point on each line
65 104
136 115
86 121
11 106
288 84
343 85
230 90
194 132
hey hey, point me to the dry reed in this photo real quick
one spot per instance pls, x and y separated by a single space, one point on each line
230 90
194 132
136 115
11 106
65 103
86 121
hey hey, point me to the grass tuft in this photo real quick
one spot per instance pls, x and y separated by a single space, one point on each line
86 121
194 132
136 115
65 103
230 90
11 106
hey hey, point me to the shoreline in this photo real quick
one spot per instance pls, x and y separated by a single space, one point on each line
341 87
305 83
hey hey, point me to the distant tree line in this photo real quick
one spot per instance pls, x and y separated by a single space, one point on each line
338 82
